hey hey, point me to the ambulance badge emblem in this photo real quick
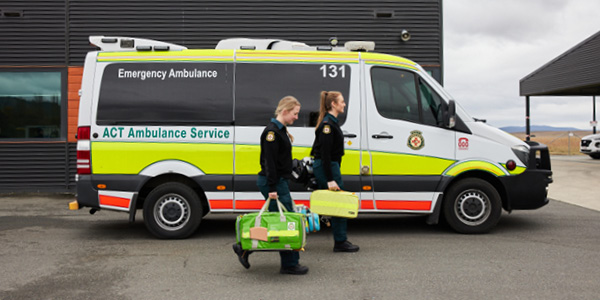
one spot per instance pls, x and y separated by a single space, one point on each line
416 140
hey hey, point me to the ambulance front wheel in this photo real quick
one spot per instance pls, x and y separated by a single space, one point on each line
172 211
472 205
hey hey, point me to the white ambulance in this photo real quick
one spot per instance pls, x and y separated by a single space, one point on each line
175 132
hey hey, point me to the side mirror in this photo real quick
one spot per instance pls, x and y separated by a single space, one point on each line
450 115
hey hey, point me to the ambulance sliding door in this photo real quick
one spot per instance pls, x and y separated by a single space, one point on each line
409 147
260 84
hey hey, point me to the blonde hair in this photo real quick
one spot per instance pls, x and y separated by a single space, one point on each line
327 98
287 103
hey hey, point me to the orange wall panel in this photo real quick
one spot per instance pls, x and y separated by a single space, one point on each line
73 85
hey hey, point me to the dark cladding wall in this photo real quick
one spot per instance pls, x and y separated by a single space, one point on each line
32 33
38 32
201 24
32 167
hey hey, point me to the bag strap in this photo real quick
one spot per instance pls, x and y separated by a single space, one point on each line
258 219
280 207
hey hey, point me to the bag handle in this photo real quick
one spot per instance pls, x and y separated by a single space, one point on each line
280 207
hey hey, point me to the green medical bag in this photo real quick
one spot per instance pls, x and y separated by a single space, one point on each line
266 230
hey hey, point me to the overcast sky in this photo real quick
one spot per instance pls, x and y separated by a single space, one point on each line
490 45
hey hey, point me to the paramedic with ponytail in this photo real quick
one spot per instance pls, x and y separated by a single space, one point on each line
327 151
276 169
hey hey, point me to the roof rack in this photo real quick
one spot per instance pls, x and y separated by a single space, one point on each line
120 43
260 44
276 44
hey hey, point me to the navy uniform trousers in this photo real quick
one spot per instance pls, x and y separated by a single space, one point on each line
339 225
288 258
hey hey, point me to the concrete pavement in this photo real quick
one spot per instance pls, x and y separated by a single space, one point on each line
576 180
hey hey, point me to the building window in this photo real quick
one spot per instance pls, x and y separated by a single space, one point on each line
30 105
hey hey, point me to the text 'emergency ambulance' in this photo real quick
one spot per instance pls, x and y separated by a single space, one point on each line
164 74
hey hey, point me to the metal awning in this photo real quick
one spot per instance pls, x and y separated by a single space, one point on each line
573 73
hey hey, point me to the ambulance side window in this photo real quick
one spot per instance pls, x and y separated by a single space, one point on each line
395 93
431 104
158 93
260 86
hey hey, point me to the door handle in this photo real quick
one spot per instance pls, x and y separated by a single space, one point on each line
382 136
349 135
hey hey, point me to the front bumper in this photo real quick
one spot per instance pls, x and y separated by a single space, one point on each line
529 190
589 146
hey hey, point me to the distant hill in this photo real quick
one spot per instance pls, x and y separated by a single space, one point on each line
515 129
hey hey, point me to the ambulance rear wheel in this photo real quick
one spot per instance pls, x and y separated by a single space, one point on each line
472 205
172 211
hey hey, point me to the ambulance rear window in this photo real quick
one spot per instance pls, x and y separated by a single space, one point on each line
166 93
259 87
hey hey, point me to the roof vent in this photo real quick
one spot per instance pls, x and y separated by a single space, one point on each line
360 46
260 44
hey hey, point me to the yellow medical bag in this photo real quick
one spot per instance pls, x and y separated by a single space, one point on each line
334 203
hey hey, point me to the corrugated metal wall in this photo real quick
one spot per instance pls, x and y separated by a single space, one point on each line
33 167
32 33
201 24
575 72
39 35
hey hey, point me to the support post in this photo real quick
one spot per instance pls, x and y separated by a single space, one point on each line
594 113
527 131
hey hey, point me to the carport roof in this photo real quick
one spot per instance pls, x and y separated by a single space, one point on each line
573 73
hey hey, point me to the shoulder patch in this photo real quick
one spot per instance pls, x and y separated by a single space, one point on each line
326 129
270 136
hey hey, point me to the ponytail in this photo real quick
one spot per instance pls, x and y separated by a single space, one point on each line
327 98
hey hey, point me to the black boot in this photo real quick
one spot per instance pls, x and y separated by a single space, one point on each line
345 246
295 270
242 255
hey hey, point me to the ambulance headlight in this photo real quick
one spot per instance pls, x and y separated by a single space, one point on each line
522 152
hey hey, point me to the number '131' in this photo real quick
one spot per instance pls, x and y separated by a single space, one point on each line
333 71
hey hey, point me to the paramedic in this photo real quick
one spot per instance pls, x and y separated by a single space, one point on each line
327 150
276 169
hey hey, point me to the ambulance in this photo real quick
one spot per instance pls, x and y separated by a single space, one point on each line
175 133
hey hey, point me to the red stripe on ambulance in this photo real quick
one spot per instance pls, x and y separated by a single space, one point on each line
403 205
114 201
221 204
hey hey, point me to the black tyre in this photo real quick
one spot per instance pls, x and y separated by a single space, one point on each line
172 211
595 155
472 205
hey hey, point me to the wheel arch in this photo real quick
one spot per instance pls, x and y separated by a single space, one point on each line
154 182
488 177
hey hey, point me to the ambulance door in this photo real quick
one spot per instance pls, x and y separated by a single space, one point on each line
408 145
259 85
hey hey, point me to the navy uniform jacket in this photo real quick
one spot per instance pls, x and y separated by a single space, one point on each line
329 144
275 154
